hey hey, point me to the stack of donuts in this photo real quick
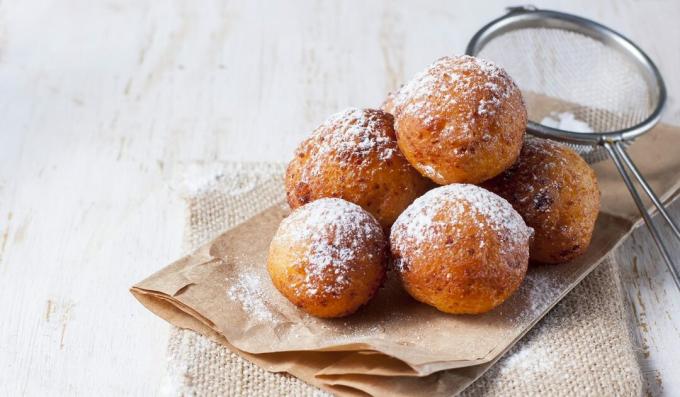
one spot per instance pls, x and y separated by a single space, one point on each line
441 186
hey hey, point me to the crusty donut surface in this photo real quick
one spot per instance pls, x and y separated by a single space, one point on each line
462 120
461 249
328 257
557 194
354 156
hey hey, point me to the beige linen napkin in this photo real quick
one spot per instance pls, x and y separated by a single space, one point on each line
582 347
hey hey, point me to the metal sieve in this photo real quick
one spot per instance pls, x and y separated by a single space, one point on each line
584 84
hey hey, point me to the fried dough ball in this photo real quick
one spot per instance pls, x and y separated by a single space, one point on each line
328 257
462 120
461 249
354 156
388 105
556 193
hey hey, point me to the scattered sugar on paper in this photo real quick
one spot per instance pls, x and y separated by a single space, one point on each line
566 121
544 288
539 290
247 290
349 332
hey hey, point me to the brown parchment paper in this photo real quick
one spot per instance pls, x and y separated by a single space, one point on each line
395 345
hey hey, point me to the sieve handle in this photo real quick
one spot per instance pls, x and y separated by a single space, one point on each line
621 150
619 156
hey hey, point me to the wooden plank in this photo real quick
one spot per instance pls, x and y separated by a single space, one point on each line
655 303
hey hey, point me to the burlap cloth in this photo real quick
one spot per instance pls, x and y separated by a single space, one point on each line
582 347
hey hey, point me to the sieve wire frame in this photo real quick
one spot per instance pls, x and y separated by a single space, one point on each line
613 142
529 17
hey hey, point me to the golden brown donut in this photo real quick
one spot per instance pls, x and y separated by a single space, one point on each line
556 193
328 257
461 120
354 156
461 249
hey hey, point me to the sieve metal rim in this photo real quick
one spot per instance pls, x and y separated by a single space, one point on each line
531 17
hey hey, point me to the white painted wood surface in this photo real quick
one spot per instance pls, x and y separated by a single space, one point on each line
654 307
102 102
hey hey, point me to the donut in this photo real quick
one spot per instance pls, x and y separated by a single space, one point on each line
462 120
354 155
328 257
461 249
388 104
557 194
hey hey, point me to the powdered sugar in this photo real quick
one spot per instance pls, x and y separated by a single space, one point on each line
421 220
247 290
566 121
451 80
353 131
349 135
430 172
334 230
541 289
530 360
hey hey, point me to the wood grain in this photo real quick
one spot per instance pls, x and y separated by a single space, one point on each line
655 303
101 104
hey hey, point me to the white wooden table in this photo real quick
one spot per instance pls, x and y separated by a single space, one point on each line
102 103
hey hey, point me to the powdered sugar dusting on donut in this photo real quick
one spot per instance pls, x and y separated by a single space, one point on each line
420 222
347 135
430 172
334 230
355 131
451 80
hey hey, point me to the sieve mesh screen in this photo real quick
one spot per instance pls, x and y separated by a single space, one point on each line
579 74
